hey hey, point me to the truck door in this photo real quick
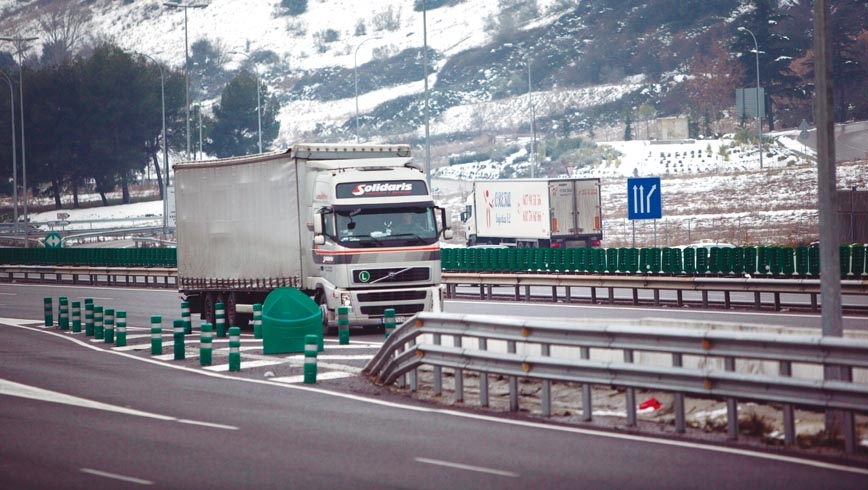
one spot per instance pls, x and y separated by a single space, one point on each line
587 203
561 204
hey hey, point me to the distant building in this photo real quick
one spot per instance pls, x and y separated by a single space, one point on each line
853 216
672 128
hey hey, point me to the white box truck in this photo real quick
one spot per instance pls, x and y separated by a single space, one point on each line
351 226
534 213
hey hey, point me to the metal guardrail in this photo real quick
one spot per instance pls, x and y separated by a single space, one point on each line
419 342
522 284
165 277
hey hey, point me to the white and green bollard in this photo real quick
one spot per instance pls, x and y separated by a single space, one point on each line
63 313
389 321
76 317
156 335
109 326
49 311
121 340
98 328
185 315
88 317
205 344
178 337
311 346
220 320
235 349
257 321
343 325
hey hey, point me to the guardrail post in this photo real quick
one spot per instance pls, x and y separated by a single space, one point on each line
205 343
630 394
257 321
98 328
483 377
156 335
731 405
63 313
235 348
680 419
388 321
344 325
311 345
109 322
546 403
513 380
76 317
459 373
49 311
185 315
220 320
121 340
88 317
587 400
785 369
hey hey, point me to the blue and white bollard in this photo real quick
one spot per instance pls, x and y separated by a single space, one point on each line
76 317
156 335
185 315
121 339
311 347
235 349
109 326
257 321
98 329
178 337
205 344
220 320
63 313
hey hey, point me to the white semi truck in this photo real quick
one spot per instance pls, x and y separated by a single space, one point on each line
534 213
351 226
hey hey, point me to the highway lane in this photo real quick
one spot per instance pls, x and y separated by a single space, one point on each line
192 429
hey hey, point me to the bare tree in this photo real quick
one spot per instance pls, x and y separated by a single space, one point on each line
63 29
715 77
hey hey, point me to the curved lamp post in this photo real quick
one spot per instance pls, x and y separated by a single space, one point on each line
19 41
759 120
356 80
14 151
186 6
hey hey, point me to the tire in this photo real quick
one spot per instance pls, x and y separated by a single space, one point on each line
327 329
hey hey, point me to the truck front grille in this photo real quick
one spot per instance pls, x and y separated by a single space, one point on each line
393 275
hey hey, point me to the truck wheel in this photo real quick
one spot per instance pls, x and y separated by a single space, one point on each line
323 308
233 318
208 309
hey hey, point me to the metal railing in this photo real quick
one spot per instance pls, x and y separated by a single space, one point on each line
701 363
151 276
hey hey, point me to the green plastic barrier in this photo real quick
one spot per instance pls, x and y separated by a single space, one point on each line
288 315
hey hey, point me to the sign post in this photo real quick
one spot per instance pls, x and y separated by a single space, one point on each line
644 200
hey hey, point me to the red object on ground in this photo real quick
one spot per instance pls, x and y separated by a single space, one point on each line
651 403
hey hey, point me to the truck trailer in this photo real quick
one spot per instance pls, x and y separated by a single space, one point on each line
534 213
351 225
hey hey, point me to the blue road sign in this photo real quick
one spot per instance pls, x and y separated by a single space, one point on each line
643 198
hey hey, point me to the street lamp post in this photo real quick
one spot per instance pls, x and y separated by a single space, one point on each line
14 151
759 120
427 109
259 103
532 155
356 80
186 6
19 41
165 147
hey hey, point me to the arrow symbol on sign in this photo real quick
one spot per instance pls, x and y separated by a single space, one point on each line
53 240
635 199
648 198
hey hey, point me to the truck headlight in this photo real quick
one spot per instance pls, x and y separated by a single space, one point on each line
346 300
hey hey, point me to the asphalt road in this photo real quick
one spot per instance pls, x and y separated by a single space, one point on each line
76 414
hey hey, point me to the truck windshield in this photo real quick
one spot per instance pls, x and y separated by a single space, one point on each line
367 227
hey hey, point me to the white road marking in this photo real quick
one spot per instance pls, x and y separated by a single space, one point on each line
12 388
459 466
220 368
319 377
115 476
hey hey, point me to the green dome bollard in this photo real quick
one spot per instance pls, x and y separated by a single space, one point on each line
121 340
311 346
343 325
178 337
205 344
156 335
235 349
76 317
88 317
109 326
185 315
389 321
63 313
98 327
49 312
257 321
220 320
